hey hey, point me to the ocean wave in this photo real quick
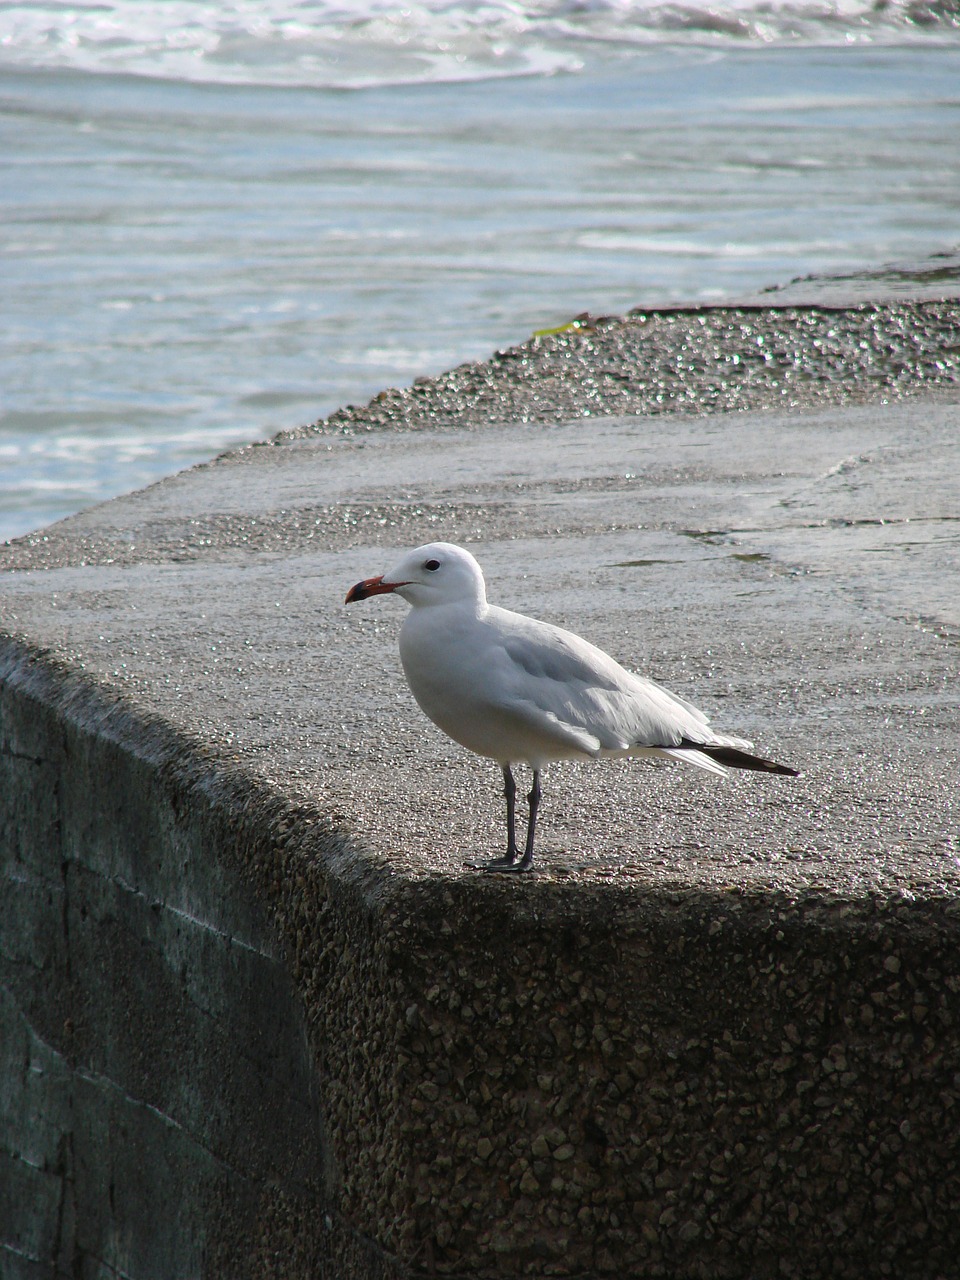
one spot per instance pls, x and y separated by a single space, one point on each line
361 43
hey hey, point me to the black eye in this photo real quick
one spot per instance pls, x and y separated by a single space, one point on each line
432 565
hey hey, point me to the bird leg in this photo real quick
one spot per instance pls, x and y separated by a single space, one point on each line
506 863
533 800
509 861
510 793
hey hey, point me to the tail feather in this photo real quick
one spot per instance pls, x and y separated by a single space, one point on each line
734 758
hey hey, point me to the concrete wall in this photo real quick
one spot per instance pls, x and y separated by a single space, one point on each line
256 1020
231 1046
159 1103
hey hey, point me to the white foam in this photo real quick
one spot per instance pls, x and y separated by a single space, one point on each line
362 43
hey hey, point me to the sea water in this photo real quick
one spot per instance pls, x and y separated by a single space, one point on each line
223 220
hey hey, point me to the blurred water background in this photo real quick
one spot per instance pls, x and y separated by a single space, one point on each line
224 220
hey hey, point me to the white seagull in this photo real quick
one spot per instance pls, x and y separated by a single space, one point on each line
526 692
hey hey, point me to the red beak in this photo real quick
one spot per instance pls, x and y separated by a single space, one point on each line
371 587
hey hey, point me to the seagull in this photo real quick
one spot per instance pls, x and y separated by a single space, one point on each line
521 691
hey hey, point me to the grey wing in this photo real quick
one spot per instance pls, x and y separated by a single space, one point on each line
583 688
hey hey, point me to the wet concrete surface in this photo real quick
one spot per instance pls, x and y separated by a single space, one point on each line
793 573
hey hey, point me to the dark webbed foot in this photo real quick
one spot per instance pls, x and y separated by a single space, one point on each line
501 864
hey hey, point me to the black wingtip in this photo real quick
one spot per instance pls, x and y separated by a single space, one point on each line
734 758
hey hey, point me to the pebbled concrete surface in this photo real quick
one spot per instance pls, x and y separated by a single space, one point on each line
717 1030
780 571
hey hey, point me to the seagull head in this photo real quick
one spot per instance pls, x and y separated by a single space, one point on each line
437 573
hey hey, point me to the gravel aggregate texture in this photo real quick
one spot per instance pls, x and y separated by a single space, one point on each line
691 360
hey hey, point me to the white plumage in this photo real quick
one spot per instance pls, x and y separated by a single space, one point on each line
522 691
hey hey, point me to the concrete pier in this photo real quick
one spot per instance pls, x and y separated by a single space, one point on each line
256 1017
